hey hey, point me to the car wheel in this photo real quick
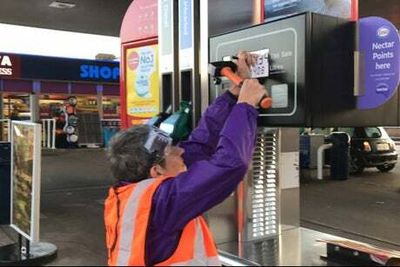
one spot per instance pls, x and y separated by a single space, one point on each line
355 166
386 168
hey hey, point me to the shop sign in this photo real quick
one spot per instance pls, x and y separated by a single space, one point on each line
96 72
379 47
142 83
9 66
68 69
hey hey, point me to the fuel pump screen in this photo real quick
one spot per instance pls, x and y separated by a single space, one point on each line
277 46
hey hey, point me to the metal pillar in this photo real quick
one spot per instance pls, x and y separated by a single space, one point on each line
99 100
1 106
1 115
34 107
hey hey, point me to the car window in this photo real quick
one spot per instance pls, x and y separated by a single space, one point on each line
349 131
324 131
373 132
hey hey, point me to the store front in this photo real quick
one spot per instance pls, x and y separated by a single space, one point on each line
94 84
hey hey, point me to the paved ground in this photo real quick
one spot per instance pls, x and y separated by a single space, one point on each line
365 206
362 207
72 206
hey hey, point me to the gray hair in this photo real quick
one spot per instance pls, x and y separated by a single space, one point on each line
129 159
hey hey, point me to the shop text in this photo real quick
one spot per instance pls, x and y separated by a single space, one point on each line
5 66
99 72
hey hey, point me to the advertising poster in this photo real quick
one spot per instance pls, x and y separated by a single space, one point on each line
379 48
336 8
25 173
142 84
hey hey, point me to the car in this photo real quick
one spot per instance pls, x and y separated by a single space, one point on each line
370 147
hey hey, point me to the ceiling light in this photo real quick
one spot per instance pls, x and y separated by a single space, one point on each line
62 5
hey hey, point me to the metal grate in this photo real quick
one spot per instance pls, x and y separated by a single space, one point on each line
265 189
89 128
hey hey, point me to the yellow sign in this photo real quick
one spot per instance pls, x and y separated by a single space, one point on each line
142 84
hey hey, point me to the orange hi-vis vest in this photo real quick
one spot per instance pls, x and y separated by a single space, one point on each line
126 215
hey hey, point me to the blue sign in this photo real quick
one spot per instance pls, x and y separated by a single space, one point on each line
68 69
379 46
95 72
185 23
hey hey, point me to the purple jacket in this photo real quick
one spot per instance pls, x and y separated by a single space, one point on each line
217 155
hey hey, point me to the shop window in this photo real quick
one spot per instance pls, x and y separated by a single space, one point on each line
111 107
16 107
51 106
87 104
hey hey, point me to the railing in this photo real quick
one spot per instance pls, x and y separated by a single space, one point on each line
49 133
5 130
321 159
228 259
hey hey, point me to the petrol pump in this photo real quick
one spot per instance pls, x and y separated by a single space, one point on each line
311 81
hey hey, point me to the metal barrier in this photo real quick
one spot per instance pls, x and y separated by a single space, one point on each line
49 133
321 160
5 130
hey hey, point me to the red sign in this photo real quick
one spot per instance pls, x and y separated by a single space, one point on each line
10 66
140 21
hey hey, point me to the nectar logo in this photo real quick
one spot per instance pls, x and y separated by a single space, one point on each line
382 32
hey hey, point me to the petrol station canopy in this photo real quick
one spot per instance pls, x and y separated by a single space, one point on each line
101 17
104 17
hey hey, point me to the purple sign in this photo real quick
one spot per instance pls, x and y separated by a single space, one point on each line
379 45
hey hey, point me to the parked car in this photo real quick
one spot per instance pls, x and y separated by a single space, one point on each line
370 147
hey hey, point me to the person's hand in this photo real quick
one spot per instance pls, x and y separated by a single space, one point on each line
244 62
251 92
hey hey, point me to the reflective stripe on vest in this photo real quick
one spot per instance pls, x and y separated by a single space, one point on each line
129 222
196 245
200 257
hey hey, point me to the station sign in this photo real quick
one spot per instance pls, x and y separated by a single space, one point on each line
379 47
14 66
9 66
